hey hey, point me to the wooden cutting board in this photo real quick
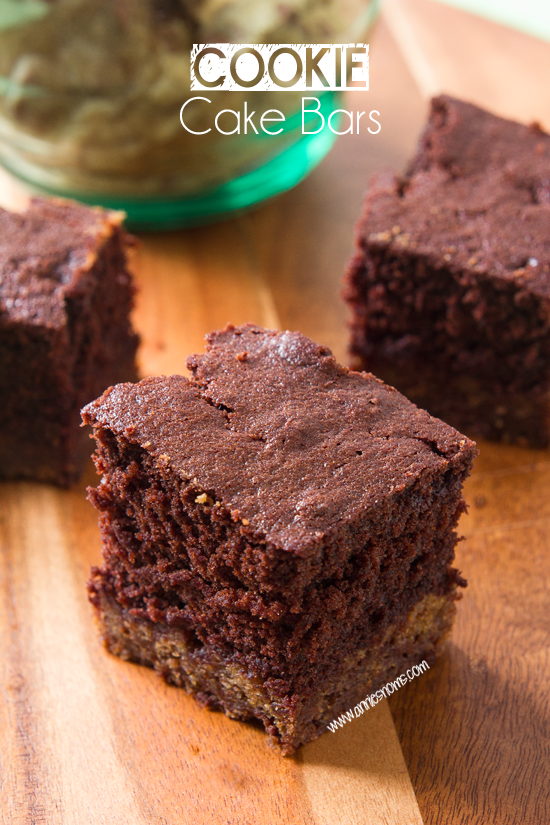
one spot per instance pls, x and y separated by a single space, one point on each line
87 738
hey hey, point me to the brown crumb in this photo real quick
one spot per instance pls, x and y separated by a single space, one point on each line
241 356
380 236
403 240
204 499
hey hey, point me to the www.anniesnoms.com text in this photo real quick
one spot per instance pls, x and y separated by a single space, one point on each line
374 698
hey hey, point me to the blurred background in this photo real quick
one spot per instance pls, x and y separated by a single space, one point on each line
90 93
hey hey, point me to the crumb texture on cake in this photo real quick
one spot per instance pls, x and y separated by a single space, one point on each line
477 194
275 520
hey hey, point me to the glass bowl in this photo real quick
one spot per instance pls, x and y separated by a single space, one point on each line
91 93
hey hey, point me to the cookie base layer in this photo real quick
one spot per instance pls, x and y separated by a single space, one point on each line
220 683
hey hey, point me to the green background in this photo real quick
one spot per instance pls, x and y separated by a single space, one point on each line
530 16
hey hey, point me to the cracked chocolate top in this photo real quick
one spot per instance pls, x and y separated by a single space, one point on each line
43 252
273 429
476 197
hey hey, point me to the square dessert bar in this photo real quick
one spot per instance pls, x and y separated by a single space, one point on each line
65 334
278 531
450 284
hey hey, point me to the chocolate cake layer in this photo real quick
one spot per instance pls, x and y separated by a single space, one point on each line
450 284
277 517
65 334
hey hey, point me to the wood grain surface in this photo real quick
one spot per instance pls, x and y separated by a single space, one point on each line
87 738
